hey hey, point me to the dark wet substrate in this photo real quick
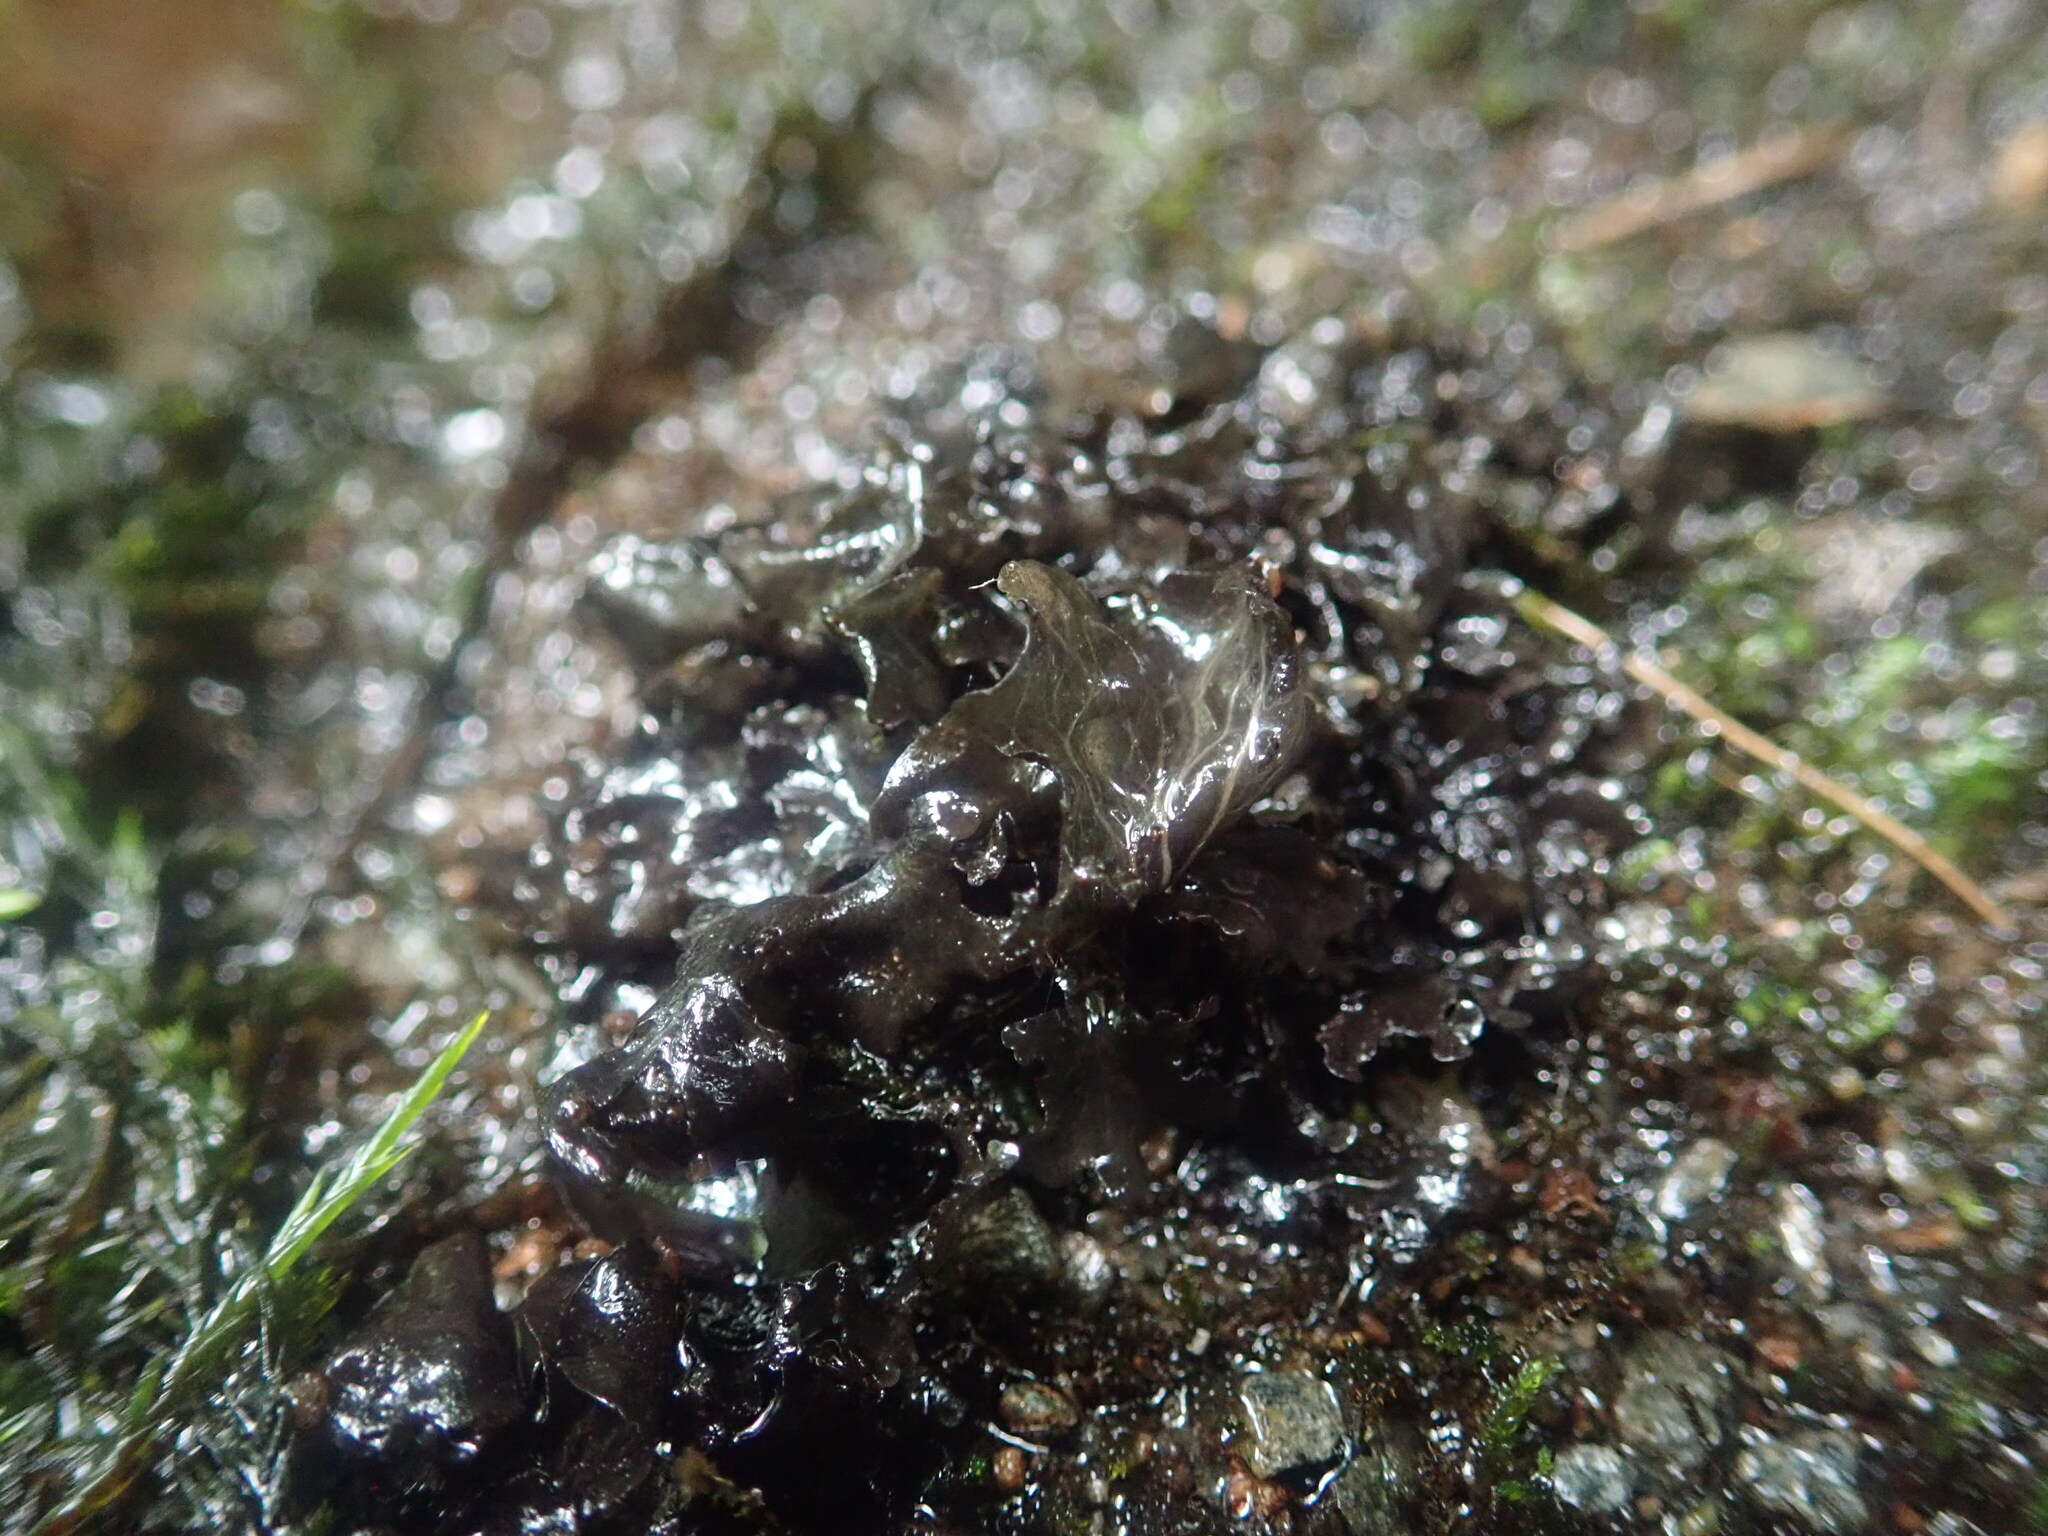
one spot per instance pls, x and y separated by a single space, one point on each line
1108 875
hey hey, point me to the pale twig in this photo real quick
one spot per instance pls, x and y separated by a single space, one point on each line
1782 157
1557 618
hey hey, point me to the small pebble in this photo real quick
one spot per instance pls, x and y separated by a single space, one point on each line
1296 1423
1809 1475
1035 1409
1698 1175
1008 1467
1594 1478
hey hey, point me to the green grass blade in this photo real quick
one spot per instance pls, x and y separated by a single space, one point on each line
211 1345
326 1199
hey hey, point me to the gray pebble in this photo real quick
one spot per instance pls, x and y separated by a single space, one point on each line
1594 1478
1296 1424
1697 1175
1810 1476
1672 1408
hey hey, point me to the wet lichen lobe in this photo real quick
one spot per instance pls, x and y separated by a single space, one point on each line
1042 835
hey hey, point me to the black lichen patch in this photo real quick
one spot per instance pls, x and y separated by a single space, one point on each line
1041 838
424 1391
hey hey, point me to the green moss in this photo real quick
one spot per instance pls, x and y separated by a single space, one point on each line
1645 863
2034 1518
1507 1418
1871 1015
1439 36
1637 1259
1473 1343
1958 1195
1512 1490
